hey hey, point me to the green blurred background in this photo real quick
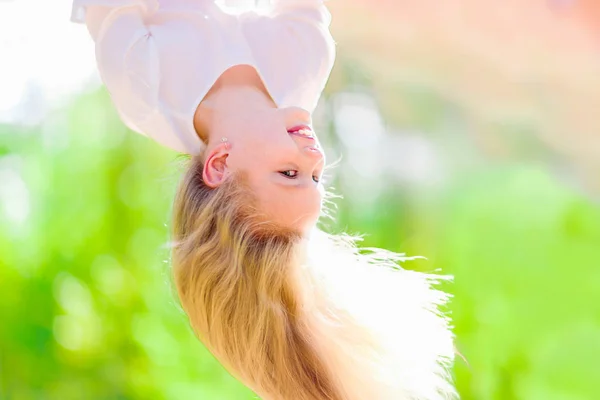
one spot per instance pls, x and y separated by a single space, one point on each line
440 155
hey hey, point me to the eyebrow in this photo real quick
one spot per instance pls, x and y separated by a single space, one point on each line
289 186
295 186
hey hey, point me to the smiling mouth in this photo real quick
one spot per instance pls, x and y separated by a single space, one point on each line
304 131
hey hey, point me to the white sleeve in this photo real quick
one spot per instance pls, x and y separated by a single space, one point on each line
144 61
94 12
313 11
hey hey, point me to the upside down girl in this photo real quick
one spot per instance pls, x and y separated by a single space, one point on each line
291 311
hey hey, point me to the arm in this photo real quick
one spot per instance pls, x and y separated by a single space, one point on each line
144 59
94 12
125 54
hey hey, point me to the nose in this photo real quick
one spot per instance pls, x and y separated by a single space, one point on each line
315 159
309 145
314 152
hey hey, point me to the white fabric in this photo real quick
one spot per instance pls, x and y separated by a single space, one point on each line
159 58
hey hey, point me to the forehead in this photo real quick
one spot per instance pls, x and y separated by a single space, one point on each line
294 207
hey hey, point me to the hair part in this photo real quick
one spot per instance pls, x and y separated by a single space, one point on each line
304 318
236 281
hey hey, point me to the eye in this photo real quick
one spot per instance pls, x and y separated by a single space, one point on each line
315 178
291 174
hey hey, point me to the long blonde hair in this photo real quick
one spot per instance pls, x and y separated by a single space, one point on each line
303 319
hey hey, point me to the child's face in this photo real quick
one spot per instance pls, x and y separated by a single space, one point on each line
281 157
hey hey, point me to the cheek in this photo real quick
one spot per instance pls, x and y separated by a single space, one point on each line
261 156
261 145
242 159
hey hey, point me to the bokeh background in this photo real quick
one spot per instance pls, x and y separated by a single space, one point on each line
465 131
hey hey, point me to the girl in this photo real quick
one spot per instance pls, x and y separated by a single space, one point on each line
294 313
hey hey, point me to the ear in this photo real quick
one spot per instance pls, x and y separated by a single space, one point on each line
215 168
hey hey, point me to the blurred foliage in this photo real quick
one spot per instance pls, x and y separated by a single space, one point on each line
88 311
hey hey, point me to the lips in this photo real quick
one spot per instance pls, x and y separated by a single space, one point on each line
302 131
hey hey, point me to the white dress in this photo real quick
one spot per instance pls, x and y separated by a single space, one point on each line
159 58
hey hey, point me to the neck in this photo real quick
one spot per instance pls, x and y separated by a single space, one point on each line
239 89
232 98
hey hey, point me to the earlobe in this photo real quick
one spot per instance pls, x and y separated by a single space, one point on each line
215 168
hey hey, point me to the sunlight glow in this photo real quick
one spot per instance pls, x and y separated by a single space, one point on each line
44 58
